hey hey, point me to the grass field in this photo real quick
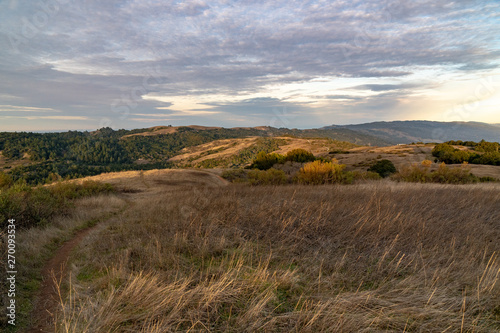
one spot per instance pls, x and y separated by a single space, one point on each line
193 253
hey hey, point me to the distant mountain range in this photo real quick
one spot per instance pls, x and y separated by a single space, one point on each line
395 132
373 134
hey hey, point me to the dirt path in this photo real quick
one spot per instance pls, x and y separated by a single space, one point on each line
47 299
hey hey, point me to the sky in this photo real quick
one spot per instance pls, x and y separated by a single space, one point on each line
83 65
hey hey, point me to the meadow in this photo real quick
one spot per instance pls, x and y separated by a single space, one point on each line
193 253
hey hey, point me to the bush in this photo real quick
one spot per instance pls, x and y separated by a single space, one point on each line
265 161
319 172
488 179
487 147
267 177
457 175
384 168
445 175
34 206
299 155
349 177
5 180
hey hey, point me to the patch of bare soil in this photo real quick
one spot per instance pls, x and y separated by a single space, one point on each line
54 271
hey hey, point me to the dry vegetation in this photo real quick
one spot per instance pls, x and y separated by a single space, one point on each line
194 255
158 130
7 164
226 149
36 245
214 149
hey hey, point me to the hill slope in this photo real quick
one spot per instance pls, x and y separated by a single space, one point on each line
426 131
189 252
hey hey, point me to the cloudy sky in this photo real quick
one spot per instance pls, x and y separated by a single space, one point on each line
68 64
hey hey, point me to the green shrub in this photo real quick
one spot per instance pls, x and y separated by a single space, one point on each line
487 147
319 172
5 180
351 176
264 161
35 206
299 155
488 179
384 168
267 177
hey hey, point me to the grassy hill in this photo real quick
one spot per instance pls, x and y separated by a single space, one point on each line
39 158
183 250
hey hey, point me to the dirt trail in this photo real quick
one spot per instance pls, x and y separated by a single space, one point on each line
47 299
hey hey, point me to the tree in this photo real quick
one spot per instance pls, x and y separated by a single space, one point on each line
265 161
384 168
300 155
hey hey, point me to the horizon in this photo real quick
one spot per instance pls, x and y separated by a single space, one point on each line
137 63
216 126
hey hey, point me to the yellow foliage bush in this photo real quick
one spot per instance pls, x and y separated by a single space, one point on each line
422 174
319 172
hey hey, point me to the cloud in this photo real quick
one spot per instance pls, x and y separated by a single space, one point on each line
384 87
16 108
46 117
104 59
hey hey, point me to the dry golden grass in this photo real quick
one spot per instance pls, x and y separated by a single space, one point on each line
157 130
156 180
36 245
231 147
374 257
228 147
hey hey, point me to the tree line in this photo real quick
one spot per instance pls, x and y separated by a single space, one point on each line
482 152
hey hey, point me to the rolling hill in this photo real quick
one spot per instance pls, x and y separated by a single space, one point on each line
396 132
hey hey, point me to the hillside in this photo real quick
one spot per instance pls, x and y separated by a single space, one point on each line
39 158
396 132
341 134
238 153
183 250
241 152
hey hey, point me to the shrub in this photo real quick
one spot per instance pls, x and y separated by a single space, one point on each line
488 179
267 177
350 177
34 206
491 158
488 147
265 161
299 155
422 174
384 168
446 153
457 175
5 180
319 172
